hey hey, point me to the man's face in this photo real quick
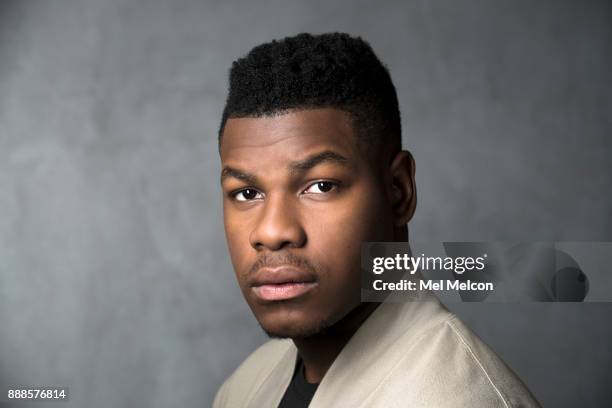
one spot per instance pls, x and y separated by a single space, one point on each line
299 198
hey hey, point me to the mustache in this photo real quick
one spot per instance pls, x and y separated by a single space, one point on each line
285 258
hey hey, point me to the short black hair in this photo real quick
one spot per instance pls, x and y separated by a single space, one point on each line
308 71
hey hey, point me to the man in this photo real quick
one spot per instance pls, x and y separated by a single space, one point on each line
312 167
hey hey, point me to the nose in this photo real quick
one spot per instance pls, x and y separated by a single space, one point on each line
278 226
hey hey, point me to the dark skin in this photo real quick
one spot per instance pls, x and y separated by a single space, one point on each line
299 197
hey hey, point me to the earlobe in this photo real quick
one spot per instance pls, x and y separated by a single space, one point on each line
403 188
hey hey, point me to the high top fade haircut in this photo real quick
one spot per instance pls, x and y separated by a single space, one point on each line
332 70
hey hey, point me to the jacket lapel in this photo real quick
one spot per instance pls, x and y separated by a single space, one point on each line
272 389
378 344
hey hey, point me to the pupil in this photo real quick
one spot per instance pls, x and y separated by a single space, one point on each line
248 194
324 186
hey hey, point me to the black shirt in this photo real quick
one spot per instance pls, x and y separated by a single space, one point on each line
299 393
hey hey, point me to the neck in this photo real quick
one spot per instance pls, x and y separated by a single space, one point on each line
319 351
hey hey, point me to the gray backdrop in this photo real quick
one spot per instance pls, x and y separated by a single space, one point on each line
114 275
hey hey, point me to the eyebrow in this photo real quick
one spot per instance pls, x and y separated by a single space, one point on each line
326 156
300 166
228 172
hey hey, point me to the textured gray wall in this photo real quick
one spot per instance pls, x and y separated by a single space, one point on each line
114 275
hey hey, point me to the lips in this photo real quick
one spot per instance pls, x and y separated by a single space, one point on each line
282 283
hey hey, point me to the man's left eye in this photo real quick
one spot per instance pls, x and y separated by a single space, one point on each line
320 187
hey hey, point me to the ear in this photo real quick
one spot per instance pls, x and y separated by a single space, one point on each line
403 188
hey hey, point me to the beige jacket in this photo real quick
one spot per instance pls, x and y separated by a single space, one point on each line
413 354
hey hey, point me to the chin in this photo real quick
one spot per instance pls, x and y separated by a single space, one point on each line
294 329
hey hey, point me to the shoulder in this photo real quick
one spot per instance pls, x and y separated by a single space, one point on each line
252 372
495 376
454 367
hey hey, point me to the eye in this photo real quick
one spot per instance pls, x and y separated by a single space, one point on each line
247 194
320 187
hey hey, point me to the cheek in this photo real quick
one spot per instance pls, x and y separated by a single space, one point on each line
238 245
336 234
359 216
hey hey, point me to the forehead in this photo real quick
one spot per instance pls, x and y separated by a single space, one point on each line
290 134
